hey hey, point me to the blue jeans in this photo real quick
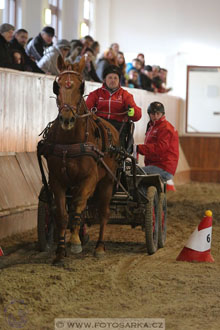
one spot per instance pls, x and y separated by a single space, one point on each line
151 169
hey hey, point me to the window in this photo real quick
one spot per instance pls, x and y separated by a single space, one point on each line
86 25
55 7
9 11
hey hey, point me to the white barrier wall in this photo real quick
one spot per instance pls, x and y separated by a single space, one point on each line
27 104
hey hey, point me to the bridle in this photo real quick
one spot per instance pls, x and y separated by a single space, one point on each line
68 84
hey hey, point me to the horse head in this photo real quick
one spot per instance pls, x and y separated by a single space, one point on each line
70 88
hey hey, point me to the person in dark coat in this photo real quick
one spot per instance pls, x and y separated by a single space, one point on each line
6 34
89 72
19 42
35 48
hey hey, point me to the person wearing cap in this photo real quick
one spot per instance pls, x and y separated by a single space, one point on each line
6 34
161 145
48 63
114 103
36 47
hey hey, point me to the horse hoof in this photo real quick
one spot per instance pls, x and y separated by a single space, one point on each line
76 248
58 262
99 254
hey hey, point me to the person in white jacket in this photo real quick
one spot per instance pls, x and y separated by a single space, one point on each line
48 63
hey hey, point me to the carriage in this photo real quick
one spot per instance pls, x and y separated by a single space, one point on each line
92 179
138 199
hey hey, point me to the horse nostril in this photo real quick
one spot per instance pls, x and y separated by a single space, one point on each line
72 120
66 122
61 118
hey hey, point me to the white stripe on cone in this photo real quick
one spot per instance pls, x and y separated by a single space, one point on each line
198 245
200 240
170 185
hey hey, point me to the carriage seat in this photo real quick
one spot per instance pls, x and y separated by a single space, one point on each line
126 130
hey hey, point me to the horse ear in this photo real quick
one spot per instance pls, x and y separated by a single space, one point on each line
81 64
60 63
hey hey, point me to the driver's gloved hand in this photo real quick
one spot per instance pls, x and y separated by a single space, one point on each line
130 112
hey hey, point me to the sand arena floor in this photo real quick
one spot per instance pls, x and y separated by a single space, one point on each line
126 283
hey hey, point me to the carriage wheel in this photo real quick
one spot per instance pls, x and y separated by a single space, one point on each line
162 225
45 227
151 220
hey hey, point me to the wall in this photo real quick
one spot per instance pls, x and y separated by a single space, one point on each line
26 109
170 33
70 22
202 154
32 17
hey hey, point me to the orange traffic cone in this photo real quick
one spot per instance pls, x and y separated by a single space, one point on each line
1 252
198 246
170 185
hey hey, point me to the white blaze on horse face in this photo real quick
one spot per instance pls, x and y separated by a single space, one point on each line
69 90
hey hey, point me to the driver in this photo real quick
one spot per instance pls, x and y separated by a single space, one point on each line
114 103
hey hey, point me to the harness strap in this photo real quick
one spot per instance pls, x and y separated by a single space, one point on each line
65 151
114 177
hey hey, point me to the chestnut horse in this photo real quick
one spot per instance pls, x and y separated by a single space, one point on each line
75 147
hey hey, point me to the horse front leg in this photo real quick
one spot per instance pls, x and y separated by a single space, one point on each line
104 195
61 223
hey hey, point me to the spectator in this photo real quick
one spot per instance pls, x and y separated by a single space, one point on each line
163 79
96 50
18 60
48 63
19 42
36 47
89 72
6 34
115 47
148 71
108 59
142 59
112 102
161 145
76 47
87 42
143 81
133 79
122 67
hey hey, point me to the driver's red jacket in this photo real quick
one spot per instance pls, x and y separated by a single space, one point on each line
110 106
161 145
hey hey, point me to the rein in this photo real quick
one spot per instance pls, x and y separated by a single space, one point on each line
114 114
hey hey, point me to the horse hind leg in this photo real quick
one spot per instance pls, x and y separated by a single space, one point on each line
104 195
